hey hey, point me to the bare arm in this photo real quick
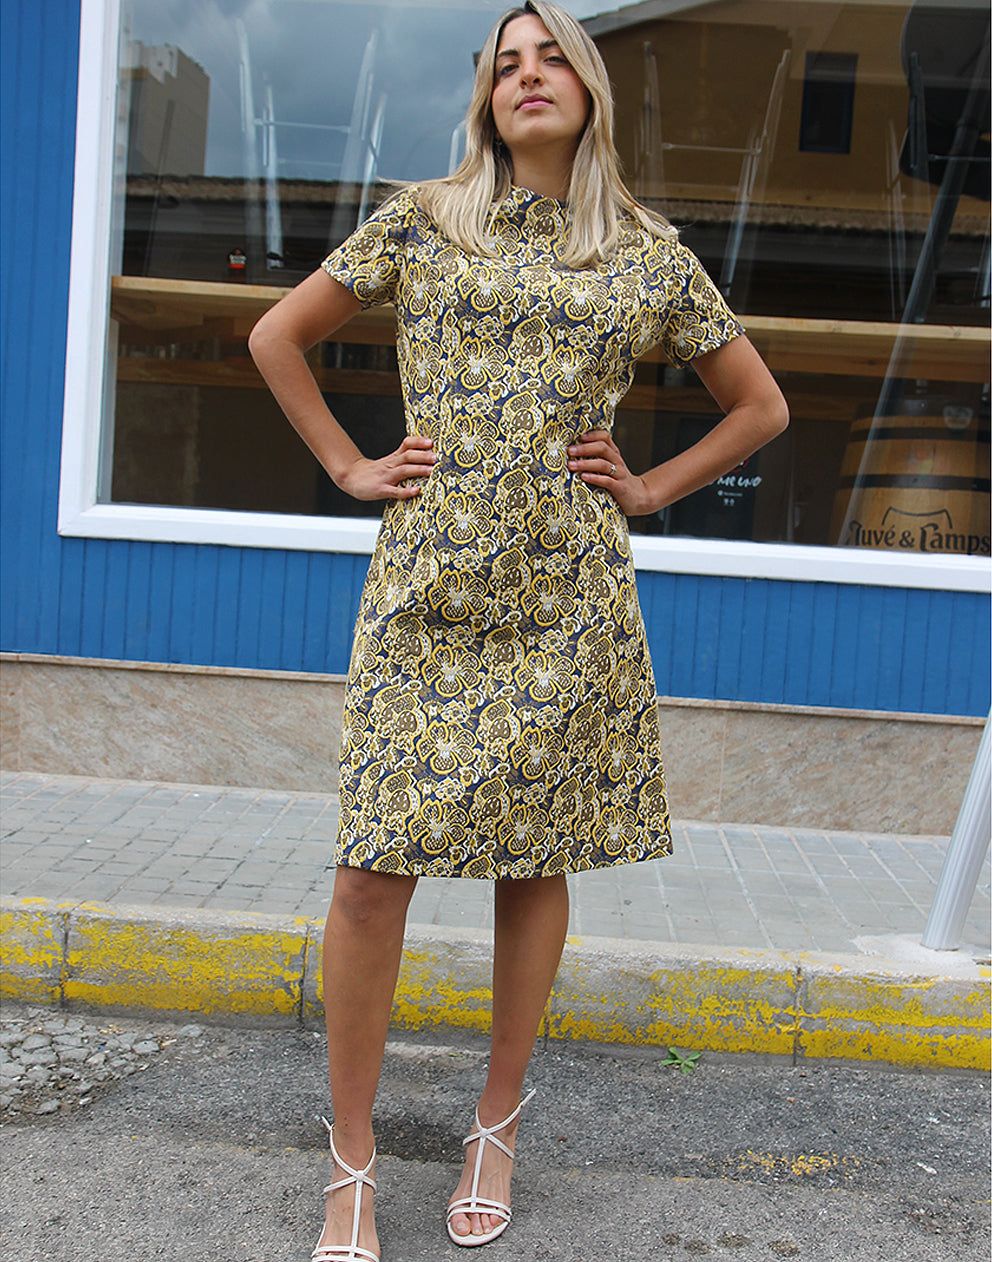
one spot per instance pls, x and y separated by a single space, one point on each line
314 310
755 412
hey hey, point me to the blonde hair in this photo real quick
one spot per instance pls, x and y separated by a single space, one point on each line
462 203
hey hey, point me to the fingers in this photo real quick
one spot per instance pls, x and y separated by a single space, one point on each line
414 458
596 458
412 461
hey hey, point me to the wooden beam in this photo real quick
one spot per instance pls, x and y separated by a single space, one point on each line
832 347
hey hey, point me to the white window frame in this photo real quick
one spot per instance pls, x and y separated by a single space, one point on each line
89 387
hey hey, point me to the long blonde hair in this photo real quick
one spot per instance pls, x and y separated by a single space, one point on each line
462 203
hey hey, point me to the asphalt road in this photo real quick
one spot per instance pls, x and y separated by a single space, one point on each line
214 1151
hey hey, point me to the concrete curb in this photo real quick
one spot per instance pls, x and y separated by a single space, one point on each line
910 1013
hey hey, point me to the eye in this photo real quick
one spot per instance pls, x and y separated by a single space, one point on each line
506 68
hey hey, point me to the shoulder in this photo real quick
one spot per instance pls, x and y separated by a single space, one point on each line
399 207
662 251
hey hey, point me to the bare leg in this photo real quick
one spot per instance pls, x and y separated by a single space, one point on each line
531 923
363 945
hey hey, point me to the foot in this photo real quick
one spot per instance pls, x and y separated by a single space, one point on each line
494 1177
337 1241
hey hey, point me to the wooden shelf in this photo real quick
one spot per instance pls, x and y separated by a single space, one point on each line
189 311
193 310
861 348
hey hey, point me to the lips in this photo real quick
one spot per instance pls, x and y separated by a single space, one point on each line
534 99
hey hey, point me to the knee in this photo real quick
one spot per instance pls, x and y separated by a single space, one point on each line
371 901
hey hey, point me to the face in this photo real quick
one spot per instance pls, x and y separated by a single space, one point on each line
537 99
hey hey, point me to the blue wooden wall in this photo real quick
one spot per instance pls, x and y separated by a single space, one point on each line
738 639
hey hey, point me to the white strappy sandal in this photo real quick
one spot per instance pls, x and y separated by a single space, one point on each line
474 1203
346 1252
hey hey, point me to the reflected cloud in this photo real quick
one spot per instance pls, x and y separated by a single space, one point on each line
309 54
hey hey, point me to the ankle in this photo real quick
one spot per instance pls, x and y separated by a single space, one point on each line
492 1109
356 1146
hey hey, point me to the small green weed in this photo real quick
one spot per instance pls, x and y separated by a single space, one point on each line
676 1059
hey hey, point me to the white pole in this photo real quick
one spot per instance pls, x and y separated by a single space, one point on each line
965 856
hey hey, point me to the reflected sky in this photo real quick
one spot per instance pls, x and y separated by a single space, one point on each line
309 53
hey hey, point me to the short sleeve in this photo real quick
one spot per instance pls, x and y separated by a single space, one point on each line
370 260
687 315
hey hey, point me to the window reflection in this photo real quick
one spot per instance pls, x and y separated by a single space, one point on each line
827 162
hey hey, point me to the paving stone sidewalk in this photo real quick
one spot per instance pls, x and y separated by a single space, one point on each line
237 849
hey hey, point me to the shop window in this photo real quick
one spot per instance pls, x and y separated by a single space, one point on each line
252 138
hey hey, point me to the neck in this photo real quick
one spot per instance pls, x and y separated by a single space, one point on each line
548 175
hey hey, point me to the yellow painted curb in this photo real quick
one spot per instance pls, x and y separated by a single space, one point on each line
937 1022
32 949
244 965
176 960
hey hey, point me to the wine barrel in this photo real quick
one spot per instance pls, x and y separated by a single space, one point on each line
916 483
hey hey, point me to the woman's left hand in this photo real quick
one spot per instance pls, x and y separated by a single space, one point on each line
597 460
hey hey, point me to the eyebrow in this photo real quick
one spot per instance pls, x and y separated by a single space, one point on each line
514 52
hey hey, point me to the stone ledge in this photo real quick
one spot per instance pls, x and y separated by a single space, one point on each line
789 766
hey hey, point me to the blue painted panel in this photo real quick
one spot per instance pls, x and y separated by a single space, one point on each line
778 634
91 625
115 588
228 590
314 611
38 53
685 594
205 608
847 647
709 620
272 611
68 630
160 589
980 675
657 614
934 642
869 647
181 642
889 671
137 591
731 639
752 648
296 599
798 657
347 578
820 639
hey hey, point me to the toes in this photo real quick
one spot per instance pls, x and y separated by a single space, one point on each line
460 1225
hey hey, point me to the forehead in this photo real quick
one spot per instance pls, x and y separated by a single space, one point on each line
527 29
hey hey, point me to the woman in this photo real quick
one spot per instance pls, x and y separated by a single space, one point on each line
500 717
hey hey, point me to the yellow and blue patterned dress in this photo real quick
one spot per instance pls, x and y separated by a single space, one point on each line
500 715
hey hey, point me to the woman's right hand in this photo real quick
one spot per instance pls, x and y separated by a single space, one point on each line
383 479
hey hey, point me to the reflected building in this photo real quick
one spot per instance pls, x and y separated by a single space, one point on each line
168 110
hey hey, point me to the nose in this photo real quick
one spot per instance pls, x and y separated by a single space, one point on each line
530 72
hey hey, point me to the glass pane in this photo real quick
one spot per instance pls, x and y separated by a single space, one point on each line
782 138
258 135
804 149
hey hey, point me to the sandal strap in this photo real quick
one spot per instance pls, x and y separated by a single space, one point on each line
479 1205
354 1176
342 1253
487 1134
361 1179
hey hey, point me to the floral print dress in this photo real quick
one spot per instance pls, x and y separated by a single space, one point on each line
500 716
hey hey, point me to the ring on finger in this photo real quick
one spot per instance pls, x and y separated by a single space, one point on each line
613 470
